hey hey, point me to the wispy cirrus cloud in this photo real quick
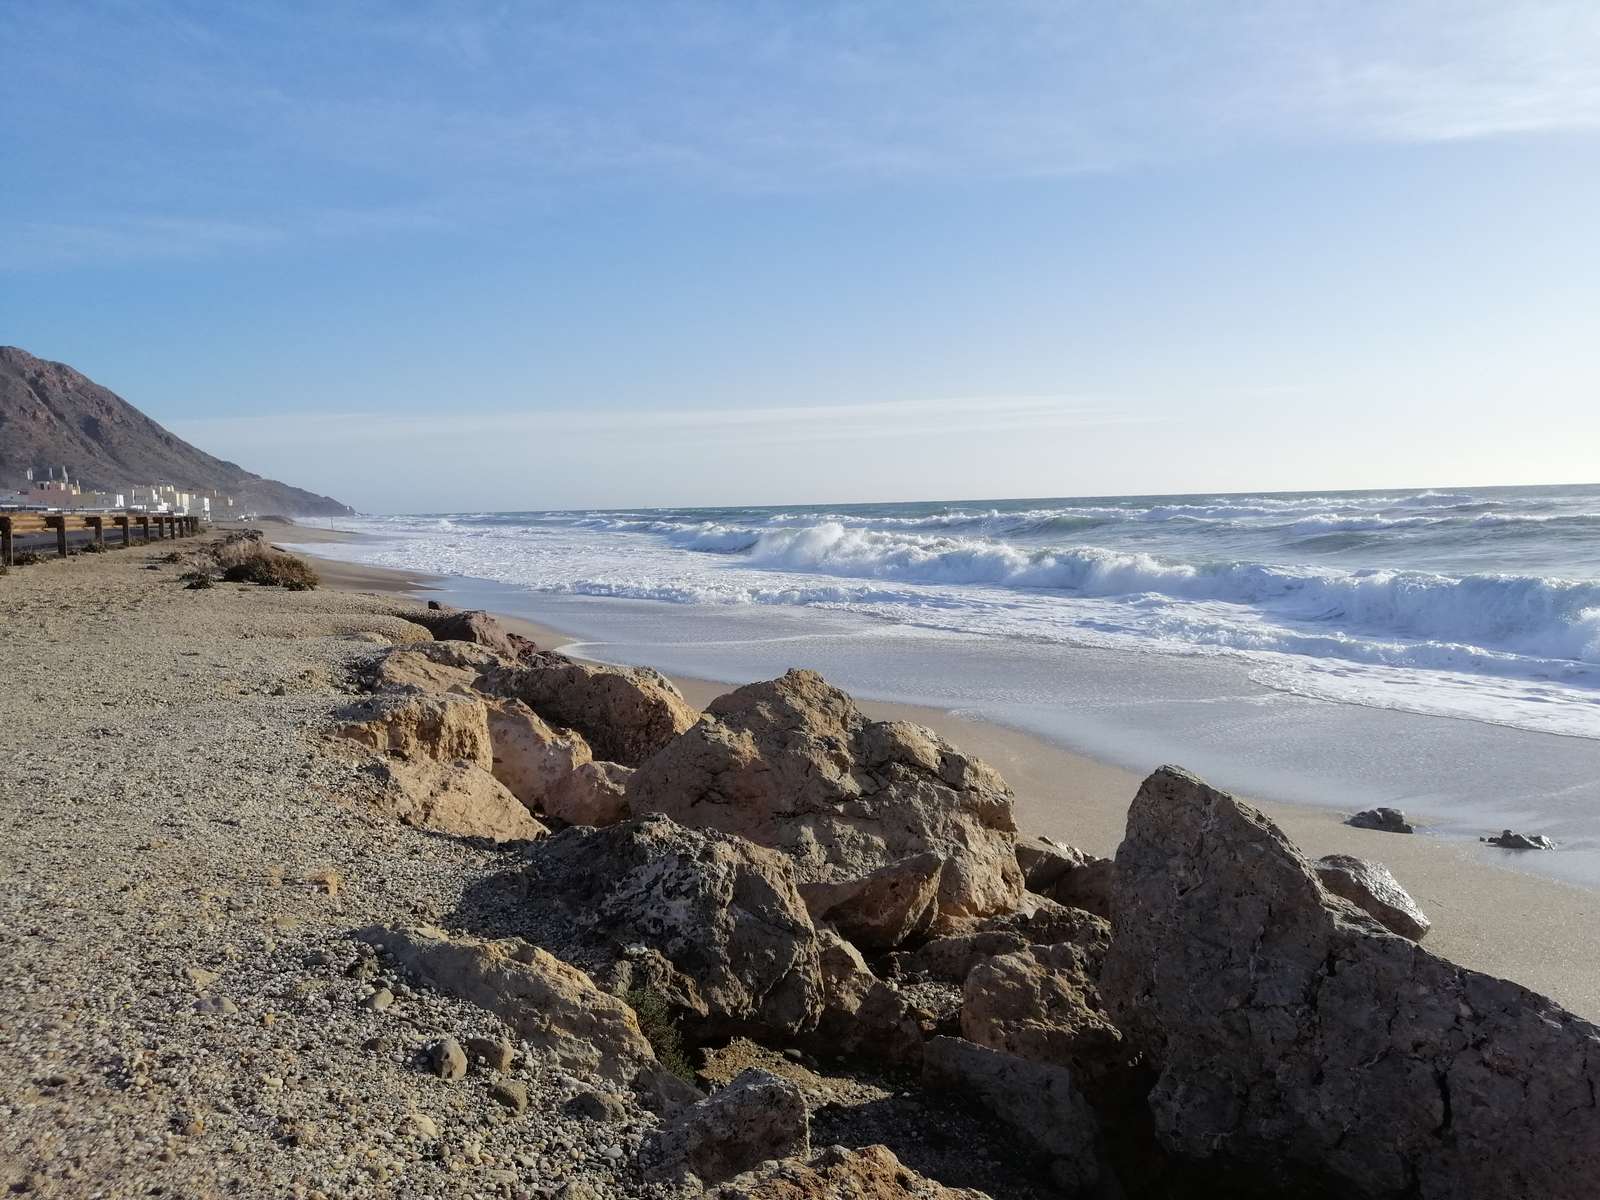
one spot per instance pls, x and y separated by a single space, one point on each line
216 128
741 427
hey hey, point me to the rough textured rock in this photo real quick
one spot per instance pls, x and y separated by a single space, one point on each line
1044 923
835 1173
1372 889
711 921
411 669
1039 1101
862 1015
459 798
595 793
427 666
1297 1038
474 626
1041 1003
447 1060
551 1005
625 713
1066 874
1387 820
1507 840
419 727
955 956
756 1118
530 757
895 833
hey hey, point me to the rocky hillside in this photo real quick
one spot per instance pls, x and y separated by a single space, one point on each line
51 414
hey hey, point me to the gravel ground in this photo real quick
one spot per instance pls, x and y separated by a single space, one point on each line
185 1012
186 857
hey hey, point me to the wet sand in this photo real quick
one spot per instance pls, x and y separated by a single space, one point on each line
1540 932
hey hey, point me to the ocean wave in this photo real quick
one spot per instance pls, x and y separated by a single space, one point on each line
1551 617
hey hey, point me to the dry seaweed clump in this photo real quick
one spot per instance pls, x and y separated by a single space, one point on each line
249 561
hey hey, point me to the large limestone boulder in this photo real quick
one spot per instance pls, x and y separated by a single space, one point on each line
712 922
895 834
756 1118
530 757
1296 1037
420 727
1375 891
1039 1101
595 793
1042 1003
625 714
459 798
552 1006
835 1173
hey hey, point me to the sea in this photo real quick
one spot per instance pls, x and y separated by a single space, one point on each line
1436 648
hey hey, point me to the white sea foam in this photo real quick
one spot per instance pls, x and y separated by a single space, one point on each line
1517 646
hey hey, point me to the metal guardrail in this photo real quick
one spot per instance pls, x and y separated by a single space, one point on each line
19 524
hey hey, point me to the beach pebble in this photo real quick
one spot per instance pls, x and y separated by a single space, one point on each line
447 1060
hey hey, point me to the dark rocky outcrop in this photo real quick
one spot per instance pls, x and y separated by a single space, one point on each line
711 922
1386 820
1507 840
1301 1044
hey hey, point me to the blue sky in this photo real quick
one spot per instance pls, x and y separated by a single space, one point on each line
497 255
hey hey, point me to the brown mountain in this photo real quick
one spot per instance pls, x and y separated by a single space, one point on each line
50 415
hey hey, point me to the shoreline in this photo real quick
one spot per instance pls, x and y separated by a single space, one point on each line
1541 932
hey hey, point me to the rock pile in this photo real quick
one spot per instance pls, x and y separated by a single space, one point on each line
894 833
1208 1010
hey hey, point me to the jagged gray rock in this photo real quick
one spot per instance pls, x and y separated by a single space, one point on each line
895 834
1297 1038
711 921
1507 840
1376 892
1386 820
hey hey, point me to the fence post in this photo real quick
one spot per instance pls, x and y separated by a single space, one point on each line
144 527
98 524
60 523
5 541
127 529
